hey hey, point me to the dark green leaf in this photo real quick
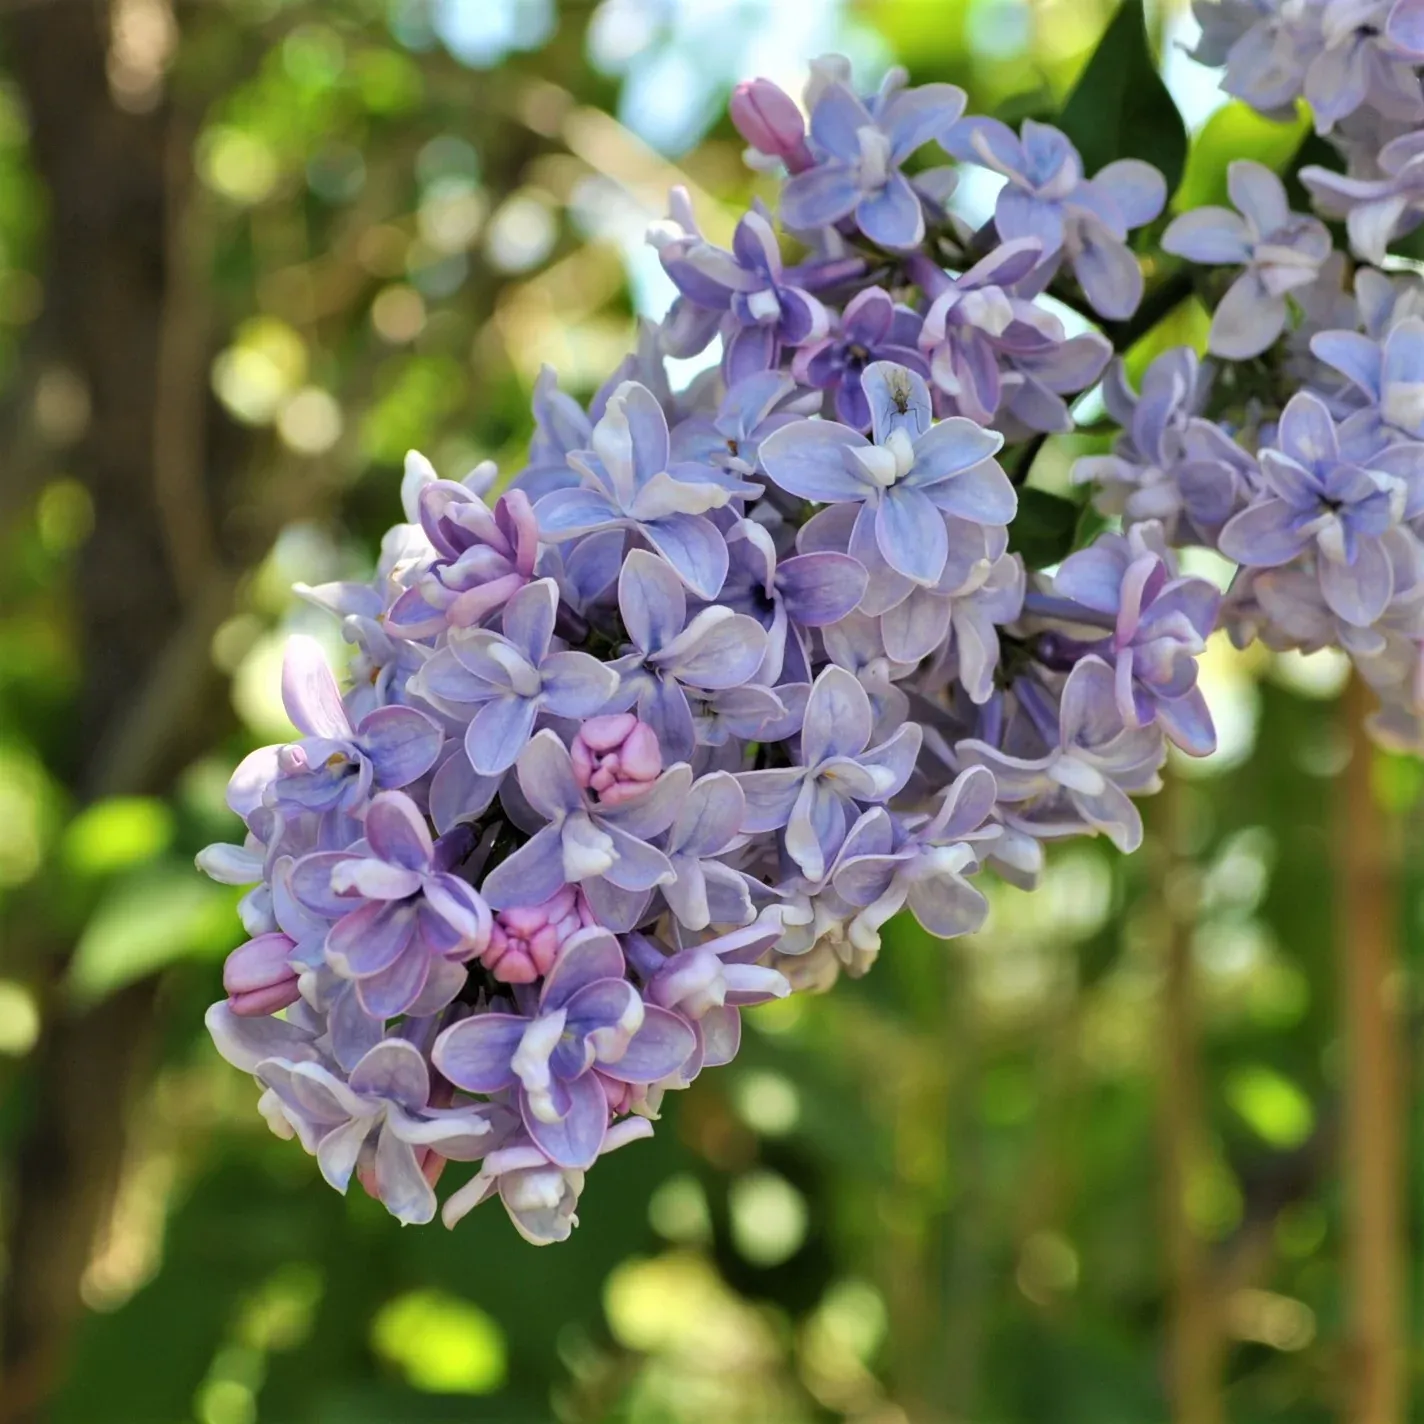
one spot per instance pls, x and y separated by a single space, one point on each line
1120 107
1044 529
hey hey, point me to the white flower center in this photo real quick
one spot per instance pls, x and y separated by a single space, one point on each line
874 157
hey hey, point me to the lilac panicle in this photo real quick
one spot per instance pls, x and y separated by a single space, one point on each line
731 673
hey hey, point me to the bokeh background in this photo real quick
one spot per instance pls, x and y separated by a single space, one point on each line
1082 1168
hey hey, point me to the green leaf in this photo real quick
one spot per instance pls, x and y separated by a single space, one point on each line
1275 1108
116 834
158 914
1236 131
1045 528
1120 108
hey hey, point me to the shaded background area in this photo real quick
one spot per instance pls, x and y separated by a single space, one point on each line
1081 1167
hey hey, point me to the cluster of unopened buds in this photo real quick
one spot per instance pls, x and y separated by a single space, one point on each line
730 675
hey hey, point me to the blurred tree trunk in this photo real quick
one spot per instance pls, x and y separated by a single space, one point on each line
123 314
1367 947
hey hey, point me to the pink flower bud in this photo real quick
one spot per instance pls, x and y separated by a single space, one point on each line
524 942
259 978
767 117
616 757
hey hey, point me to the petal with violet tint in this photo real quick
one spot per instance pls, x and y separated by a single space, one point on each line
1354 355
532 874
249 782
818 589
819 196
1111 811
951 448
1214 236
394 1069
370 939
1247 320
1136 189
913 117
499 731
1187 721
458 793
394 990
546 776
566 513
917 627
638 866
816 828
695 548
396 831
718 649
1402 379
947 905
575 1142
808 458
587 956
899 399
371 879
1307 433
651 599
475 1053
770 795
1019 215
893 759
575 684
1359 592
1107 271
838 720
309 691
401 744
352 1031
1258 194
337 1152
1263 536
911 534
400 1184
982 495
710 815
892 217
654 810
245 1042
659 1048
528 619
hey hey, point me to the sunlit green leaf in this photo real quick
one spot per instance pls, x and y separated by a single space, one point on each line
117 833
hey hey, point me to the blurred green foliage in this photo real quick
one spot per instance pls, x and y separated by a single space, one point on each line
933 1194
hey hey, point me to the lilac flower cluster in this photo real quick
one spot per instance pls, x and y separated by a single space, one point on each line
675 719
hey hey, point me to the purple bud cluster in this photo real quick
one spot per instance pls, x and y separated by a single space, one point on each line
674 720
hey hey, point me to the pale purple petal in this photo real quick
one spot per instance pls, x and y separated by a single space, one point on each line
911 534
499 731
530 875
396 831
1247 320
575 1142
475 1053
309 691
694 547
808 458
393 1069
401 743
370 939
1208 235
838 721
658 1049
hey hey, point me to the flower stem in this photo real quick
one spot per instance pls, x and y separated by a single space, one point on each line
1194 1337
1367 947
